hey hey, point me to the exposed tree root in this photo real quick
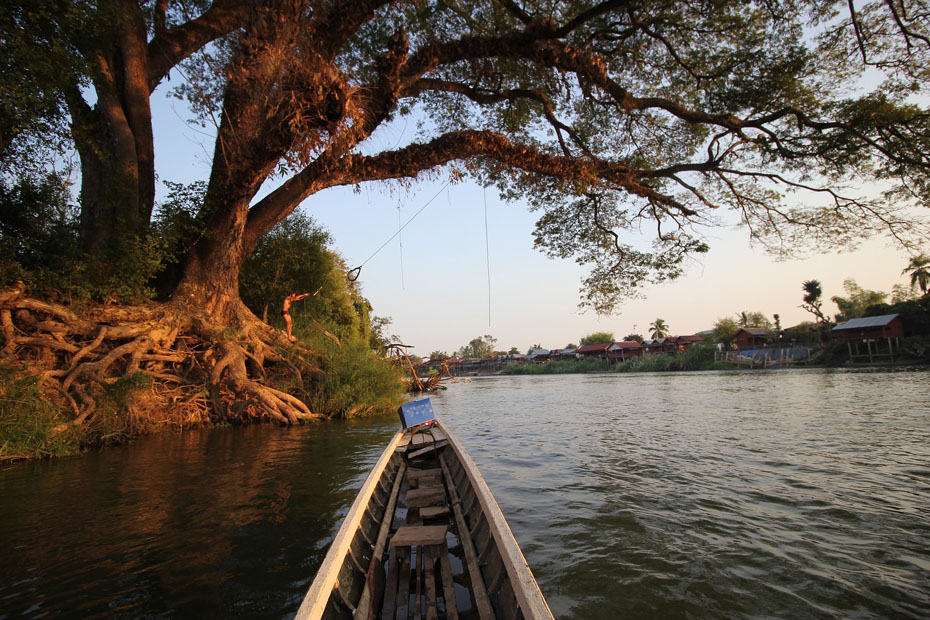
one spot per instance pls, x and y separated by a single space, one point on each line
197 370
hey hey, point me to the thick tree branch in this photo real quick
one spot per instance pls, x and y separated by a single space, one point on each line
170 47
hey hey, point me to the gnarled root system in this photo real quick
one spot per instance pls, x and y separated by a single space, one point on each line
198 370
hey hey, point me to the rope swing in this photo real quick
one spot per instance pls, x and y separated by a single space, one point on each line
353 274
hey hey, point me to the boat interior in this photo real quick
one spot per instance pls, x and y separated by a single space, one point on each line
425 547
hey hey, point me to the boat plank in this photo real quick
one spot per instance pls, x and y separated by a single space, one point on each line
403 584
416 474
417 599
429 496
482 602
428 449
448 585
434 512
375 567
429 576
390 589
419 535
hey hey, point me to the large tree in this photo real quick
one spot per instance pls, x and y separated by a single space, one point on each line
609 117
857 301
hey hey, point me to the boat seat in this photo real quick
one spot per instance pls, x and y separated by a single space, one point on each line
434 512
413 535
425 496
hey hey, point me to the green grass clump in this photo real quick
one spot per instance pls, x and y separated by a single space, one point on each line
355 381
31 425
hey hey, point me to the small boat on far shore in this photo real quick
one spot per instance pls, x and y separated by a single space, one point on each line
424 539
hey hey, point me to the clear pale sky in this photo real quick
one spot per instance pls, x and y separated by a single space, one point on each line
435 287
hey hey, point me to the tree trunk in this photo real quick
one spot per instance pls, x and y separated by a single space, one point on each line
115 140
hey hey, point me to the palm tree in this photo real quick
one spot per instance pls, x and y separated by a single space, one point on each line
659 329
919 270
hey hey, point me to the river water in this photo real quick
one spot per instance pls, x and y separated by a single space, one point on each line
780 494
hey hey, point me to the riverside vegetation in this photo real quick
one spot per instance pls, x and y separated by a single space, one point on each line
336 367
698 357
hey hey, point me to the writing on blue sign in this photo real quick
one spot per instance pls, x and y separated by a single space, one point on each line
417 412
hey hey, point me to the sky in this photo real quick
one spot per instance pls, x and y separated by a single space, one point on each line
465 265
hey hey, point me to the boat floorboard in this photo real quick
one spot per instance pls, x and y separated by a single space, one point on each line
421 574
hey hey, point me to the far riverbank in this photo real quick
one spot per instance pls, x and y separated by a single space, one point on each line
703 358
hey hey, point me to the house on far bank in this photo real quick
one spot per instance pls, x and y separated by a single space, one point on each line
870 337
656 345
752 337
624 350
538 356
870 328
672 344
564 354
598 351
683 343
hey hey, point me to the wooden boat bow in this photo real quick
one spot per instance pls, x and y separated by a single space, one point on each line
423 505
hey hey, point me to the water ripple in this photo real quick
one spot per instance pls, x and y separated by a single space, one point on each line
713 495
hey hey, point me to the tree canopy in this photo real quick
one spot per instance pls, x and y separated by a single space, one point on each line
597 338
753 319
480 347
858 299
725 331
813 302
609 118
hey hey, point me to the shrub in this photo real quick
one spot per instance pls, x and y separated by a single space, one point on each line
354 380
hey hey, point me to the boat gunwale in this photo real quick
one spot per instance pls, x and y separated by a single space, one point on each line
529 596
327 576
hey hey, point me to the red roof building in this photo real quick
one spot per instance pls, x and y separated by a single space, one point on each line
594 350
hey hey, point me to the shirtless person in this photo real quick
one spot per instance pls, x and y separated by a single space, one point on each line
285 311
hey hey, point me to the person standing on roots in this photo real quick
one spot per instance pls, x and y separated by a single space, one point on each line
286 311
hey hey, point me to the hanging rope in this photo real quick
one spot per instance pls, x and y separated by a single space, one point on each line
353 274
487 252
400 239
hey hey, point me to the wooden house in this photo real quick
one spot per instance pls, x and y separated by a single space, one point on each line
686 342
624 350
538 356
872 338
656 345
752 337
870 328
600 351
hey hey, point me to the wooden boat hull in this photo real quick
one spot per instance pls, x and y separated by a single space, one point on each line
424 539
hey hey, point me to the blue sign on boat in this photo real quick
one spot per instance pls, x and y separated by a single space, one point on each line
416 413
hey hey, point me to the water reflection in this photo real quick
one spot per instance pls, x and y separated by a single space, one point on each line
222 523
